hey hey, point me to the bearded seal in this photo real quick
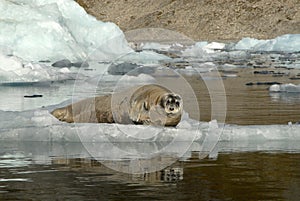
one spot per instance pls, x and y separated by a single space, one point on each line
149 105
154 104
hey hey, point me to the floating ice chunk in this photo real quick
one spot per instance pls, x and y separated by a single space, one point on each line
122 68
56 29
289 88
141 79
200 44
64 70
13 70
260 132
155 46
40 125
204 67
195 50
10 63
274 88
144 57
197 68
203 48
288 42
214 46
292 146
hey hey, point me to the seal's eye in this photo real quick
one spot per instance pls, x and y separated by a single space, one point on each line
177 103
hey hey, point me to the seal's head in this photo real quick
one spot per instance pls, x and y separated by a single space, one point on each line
172 103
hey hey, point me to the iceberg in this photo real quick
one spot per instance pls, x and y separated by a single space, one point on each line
57 29
286 43
155 46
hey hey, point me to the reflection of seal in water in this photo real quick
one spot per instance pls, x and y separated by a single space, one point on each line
149 104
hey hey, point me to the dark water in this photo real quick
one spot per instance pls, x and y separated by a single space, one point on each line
231 176
249 104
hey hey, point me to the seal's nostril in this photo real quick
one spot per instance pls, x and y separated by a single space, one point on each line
171 108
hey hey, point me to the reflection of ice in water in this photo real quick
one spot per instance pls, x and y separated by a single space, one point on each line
288 93
45 152
286 97
15 159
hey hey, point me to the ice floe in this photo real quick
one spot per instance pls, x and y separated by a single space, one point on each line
40 125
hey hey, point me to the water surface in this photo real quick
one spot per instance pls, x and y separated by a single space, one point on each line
256 175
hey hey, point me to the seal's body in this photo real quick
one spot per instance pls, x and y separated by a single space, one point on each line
148 104
91 110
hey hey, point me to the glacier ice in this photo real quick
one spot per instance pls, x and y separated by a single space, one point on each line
57 29
248 43
287 43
